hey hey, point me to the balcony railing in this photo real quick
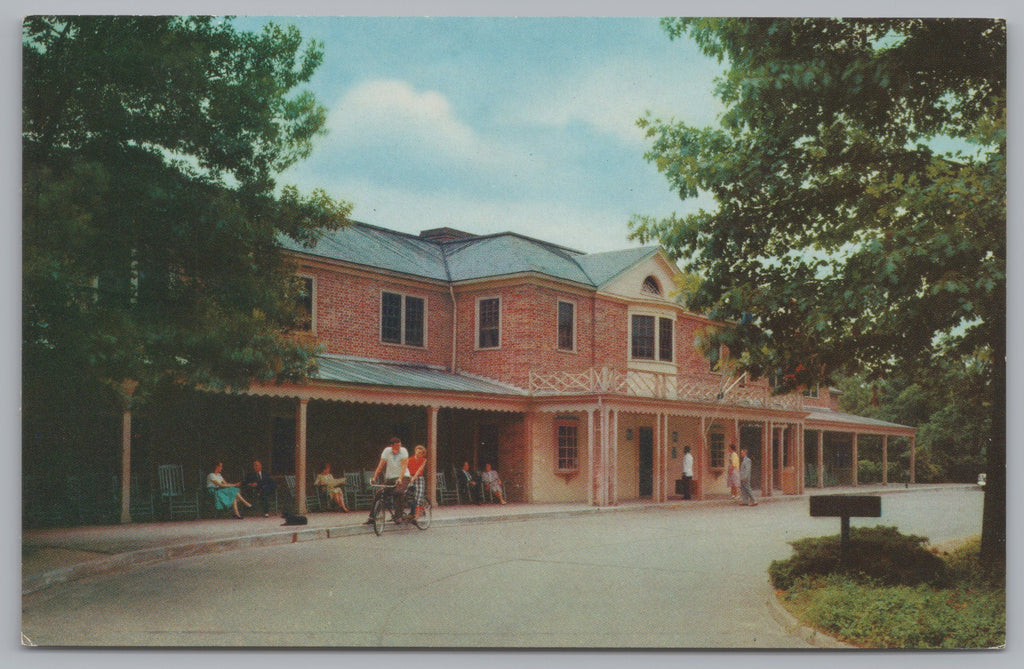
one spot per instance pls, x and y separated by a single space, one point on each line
660 386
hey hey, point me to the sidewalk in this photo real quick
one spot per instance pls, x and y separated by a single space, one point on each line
59 555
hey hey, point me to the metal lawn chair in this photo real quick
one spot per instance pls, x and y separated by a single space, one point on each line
179 500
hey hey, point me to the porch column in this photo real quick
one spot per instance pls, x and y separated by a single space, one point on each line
529 426
592 464
855 456
913 459
660 446
300 456
801 464
613 460
432 455
126 466
770 461
702 462
821 458
603 418
885 459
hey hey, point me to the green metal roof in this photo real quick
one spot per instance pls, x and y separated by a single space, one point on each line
370 372
829 416
473 257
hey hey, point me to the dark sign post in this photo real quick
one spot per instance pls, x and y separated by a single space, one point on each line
845 507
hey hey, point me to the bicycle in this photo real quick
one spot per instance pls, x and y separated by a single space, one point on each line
384 501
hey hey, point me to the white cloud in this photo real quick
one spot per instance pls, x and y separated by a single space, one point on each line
386 113
613 95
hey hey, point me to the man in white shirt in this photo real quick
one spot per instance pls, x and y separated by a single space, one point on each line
392 462
687 471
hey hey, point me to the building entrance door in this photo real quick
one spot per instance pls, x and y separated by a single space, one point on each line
645 439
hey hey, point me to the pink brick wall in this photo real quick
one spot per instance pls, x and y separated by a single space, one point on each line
348 317
348 323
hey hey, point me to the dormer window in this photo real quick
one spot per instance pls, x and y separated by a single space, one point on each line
650 286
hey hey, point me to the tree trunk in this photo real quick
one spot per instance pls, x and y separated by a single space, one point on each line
993 524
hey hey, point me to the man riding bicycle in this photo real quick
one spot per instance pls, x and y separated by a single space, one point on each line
392 462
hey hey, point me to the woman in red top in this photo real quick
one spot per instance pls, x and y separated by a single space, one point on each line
416 490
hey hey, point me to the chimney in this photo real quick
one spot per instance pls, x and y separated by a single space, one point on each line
441 235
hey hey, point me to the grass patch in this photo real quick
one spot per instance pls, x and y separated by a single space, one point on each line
958 609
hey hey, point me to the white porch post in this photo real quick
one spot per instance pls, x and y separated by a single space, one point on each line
301 412
659 459
613 460
702 462
432 454
126 466
603 429
591 459
821 458
885 459
913 459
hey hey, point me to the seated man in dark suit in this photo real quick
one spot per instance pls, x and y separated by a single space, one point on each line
469 487
262 486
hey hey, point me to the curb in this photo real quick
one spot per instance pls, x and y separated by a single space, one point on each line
32 583
794 627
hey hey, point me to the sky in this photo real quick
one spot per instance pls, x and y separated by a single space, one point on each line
493 124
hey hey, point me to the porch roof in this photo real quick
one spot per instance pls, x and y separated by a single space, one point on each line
824 415
372 372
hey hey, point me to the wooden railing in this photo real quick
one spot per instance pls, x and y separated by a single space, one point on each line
660 386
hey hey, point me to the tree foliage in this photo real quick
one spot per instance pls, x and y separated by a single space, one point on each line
859 174
949 404
152 217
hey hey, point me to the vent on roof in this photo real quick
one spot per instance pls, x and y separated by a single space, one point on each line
650 286
445 235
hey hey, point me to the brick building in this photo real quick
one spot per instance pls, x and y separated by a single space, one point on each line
577 376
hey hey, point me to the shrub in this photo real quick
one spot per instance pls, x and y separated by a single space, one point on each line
906 617
877 555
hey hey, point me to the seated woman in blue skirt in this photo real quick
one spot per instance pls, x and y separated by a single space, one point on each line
224 494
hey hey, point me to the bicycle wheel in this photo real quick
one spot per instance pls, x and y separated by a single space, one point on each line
423 522
378 517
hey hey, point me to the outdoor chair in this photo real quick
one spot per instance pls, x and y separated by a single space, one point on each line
445 494
312 498
179 500
357 495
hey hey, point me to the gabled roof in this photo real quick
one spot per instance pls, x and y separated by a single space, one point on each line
603 267
453 258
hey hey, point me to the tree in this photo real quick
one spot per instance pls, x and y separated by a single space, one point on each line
948 403
152 218
860 179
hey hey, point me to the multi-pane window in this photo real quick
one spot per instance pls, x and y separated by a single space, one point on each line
652 338
566 326
643 337
714 355
401 319
304 303
568 447
665 339
717 449
489 323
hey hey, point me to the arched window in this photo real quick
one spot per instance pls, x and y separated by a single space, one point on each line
650 286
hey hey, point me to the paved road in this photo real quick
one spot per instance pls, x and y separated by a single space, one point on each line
668 578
